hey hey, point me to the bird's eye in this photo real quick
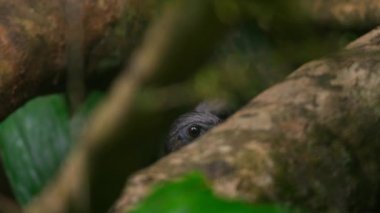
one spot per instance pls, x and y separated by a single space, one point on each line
194 131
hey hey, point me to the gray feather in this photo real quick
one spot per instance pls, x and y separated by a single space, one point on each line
204 117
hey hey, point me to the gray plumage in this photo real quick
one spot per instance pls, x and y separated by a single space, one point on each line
192 125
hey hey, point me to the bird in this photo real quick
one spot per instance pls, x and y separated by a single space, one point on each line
191 125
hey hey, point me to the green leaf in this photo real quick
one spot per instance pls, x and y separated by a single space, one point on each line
35 139
191 194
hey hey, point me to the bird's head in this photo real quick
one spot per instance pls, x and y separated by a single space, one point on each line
192 125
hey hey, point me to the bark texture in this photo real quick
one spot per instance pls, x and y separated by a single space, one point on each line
310 141
33 44
355 14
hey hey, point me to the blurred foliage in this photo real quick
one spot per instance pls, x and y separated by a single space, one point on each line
246 62
36 138
192 194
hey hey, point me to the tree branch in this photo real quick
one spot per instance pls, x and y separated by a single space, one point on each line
33 48
311 141
346 13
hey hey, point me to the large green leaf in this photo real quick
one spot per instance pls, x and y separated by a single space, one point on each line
192 195
35 139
